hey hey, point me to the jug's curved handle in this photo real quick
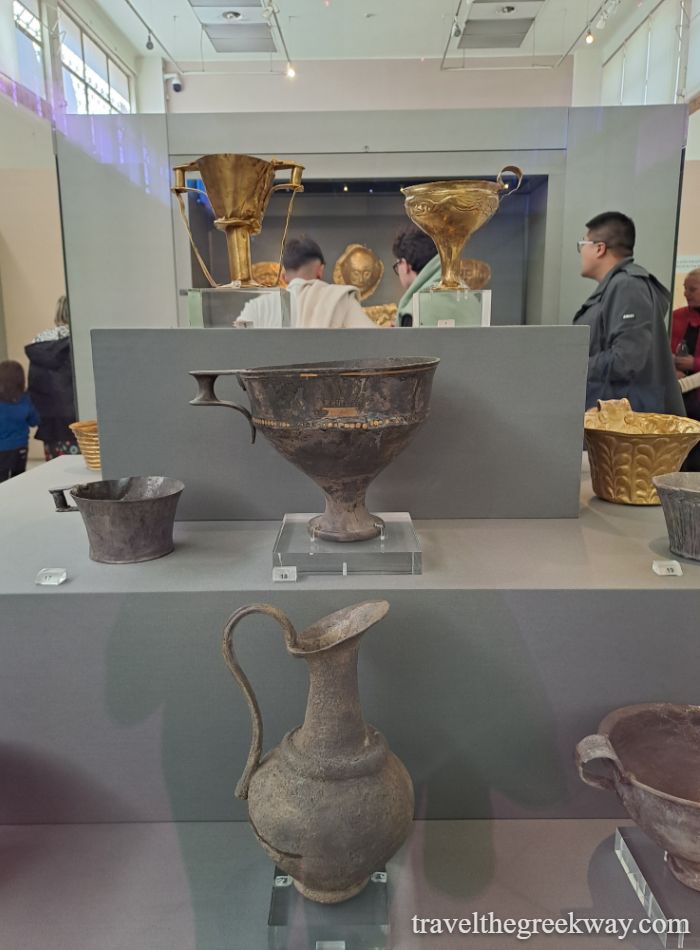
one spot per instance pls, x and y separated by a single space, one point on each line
597 747
290 637
518 172
207 397
294 179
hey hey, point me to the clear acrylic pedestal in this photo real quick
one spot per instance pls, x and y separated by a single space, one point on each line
452 308
396 551
221 306
662 896
361 923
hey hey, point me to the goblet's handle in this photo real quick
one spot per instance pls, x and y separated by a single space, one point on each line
294 179
59 499
295 184
290 637
179 189
207 397
597 747
515 171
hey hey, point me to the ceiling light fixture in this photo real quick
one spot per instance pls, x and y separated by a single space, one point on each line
269 12
149 42
590 39
507 9
232 15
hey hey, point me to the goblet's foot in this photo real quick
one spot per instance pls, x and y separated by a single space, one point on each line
687 872
330 897
346 520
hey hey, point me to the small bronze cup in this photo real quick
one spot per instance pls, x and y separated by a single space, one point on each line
450 212
239 189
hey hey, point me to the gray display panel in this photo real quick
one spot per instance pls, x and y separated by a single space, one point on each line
503 439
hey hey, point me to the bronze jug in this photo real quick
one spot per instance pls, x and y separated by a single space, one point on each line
331 804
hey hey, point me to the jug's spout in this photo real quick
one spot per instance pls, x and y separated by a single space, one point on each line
338 627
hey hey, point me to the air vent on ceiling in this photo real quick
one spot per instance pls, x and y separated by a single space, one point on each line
242 38
224 4
235 26
494 34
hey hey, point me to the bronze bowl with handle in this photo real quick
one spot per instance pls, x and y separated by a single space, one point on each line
340 422
652 757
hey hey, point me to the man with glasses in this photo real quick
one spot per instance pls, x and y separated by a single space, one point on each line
628 353
417 266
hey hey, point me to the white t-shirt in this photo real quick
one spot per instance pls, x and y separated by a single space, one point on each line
314 304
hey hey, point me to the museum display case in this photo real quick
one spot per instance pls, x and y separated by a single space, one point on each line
536 610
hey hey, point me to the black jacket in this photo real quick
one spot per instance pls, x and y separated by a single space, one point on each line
629 352
50 383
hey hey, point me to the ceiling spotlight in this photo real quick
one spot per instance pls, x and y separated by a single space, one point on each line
232 14
507 9
149 42
291 71
456 29
600 25
345 187
590 38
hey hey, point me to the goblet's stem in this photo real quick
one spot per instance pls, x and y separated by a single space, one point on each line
346 517
450 254
238 246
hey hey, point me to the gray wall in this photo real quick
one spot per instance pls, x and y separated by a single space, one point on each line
503 439
131 715
114 181
623 159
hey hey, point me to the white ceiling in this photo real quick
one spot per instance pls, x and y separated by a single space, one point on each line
359 29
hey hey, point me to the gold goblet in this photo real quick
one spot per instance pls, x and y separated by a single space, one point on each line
450 212
239 189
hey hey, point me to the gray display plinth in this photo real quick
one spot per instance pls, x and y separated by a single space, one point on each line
665 900
396 551
452 308
223 306
513 643
503 439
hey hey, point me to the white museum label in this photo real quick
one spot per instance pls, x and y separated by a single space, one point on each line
665 568
284 574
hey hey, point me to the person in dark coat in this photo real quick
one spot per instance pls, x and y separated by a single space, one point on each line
50 385
629 354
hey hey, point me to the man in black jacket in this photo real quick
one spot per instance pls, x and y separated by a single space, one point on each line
629 353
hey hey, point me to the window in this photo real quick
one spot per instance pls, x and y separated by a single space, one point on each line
93 83
30 51
644 70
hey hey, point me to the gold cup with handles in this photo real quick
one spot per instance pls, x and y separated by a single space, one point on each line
239 189
451 211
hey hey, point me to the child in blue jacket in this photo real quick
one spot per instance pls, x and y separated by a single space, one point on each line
17 414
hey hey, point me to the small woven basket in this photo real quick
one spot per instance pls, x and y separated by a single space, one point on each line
88 439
